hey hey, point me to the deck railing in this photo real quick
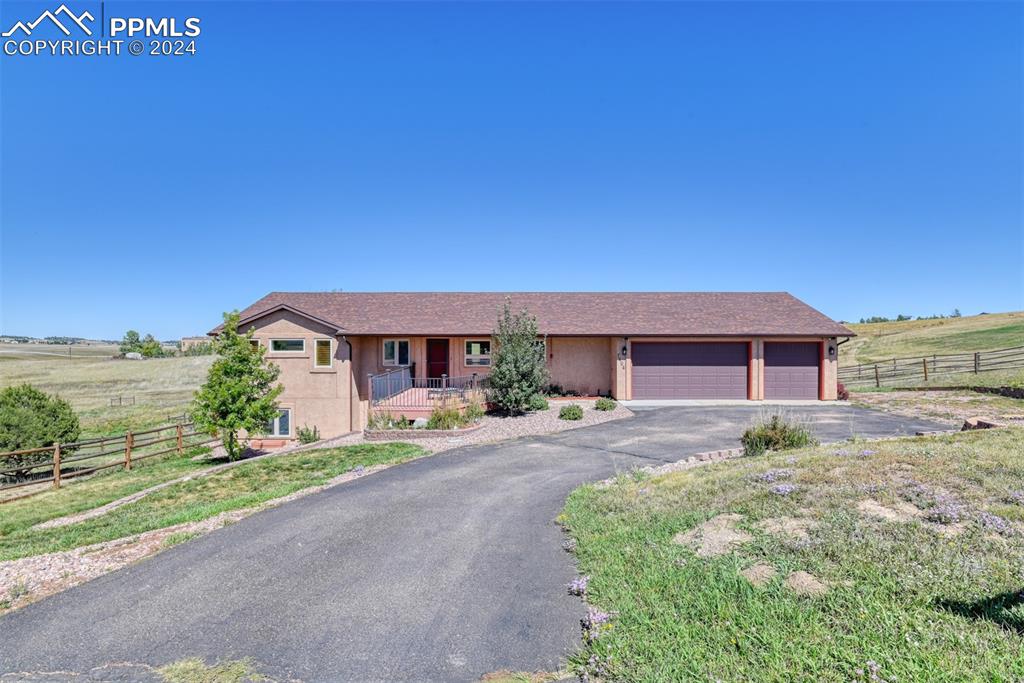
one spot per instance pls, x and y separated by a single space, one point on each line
397 390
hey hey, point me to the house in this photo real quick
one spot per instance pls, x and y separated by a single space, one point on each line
343 355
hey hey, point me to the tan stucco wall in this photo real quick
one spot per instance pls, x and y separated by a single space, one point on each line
316 396
336 399
580 364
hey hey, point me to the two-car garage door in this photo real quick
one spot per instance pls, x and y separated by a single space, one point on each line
690 369
666 370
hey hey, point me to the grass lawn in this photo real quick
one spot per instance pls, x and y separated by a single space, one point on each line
912 338
907 599
239 487
161 387
996 378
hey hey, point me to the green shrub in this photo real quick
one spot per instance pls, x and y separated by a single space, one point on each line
604 403
445 418
30 418
474 411
519 362
571 412
775 434
537 402
307 434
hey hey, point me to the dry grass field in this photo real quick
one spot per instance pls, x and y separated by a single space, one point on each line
881 341
89 379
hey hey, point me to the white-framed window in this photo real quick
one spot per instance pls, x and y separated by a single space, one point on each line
281 425
323 356
287 345
478 352
396 352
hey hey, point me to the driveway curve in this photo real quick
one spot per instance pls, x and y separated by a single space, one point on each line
444 568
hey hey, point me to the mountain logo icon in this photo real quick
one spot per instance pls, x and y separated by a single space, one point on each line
78 20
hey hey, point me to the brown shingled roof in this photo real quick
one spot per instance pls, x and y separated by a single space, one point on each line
559 313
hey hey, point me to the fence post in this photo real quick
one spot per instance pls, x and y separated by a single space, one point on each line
877 383
977 361
179 439
444 381
128 441
56 466
924 363
369 391
474 380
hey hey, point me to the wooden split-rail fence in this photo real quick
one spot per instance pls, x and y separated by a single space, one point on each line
907 371
62 461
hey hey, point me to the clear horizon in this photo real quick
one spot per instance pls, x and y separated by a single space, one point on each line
866 157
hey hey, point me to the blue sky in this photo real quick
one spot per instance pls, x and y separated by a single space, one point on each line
866 157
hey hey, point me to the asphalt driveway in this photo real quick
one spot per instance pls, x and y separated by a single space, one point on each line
444 568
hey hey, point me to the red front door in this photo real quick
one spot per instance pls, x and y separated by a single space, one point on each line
437 357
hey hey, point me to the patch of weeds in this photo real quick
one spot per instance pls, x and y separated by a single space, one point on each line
775 434
947 512
604 403
179 537
195 670
18 590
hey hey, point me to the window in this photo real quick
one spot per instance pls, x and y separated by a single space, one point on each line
396 352
281 425
478 352
323 357
289 345
255 344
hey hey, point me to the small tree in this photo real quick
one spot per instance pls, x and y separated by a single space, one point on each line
239 392
131 343
151 348
30 418
518 363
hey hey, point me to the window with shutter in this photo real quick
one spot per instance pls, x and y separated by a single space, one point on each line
323 353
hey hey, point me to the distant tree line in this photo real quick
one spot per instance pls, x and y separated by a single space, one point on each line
900 318
148 346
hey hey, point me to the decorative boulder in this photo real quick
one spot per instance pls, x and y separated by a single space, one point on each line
420 423
133 355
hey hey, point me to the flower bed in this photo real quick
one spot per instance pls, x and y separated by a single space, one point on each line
411 434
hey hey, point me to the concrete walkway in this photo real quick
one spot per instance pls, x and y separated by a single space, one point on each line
444 568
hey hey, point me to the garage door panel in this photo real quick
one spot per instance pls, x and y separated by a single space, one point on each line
689 370
791 370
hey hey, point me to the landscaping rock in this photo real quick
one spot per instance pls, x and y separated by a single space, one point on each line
717 536
420 423
979 423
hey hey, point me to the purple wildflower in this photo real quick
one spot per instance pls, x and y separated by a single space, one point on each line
1015 498
783 489
578 586
996 523
946 512
594 622
842 452
772 476
865 453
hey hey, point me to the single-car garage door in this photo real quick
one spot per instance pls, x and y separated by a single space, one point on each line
690 370
791 369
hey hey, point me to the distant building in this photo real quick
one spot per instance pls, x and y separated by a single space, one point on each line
188 342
